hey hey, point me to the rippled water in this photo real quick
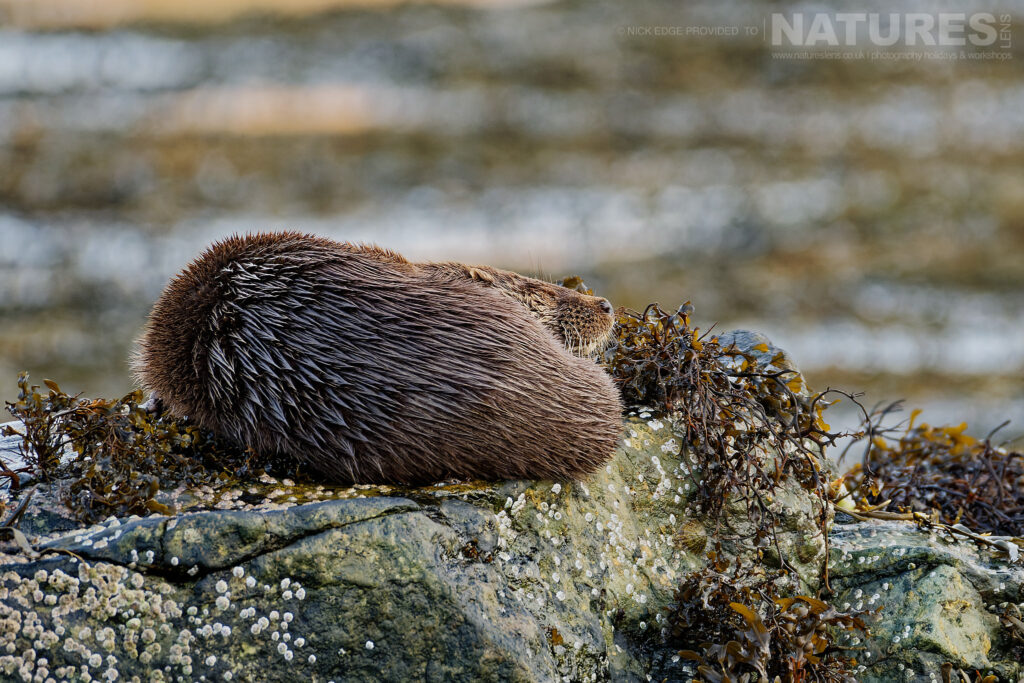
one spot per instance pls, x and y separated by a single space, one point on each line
868 216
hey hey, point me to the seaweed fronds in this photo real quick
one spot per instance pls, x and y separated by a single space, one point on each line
112 456
943 472
743 628
728 406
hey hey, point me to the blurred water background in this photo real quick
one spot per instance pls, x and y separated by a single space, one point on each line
867 214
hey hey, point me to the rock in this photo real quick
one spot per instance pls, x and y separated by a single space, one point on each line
933 597
529 581
767 354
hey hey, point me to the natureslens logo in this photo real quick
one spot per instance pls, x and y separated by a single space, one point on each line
911 29
918 36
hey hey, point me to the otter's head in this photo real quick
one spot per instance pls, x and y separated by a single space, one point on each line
582 323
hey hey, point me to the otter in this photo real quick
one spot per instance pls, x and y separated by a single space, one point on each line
368 368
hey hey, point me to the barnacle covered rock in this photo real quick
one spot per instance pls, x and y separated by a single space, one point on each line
942 604
519 580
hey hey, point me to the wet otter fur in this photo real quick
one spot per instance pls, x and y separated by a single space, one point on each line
372 369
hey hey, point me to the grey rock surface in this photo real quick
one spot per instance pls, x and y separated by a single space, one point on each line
938 602
530 581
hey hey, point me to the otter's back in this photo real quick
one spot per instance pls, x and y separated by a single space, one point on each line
370 369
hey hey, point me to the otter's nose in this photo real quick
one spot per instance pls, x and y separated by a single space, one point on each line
606 306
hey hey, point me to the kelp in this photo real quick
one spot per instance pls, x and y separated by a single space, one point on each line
741 626
749 425
941 471
112 457
728 404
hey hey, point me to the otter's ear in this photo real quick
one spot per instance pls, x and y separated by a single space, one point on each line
481 274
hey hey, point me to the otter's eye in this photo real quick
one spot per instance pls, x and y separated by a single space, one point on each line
606 306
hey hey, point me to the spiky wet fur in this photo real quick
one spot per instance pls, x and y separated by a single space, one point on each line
372 369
